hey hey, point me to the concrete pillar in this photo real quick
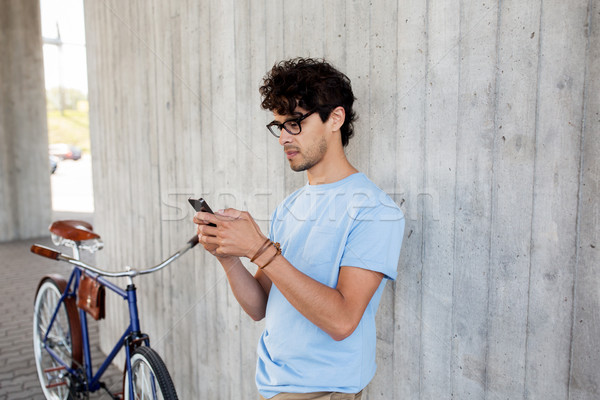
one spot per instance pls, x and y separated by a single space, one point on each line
25 203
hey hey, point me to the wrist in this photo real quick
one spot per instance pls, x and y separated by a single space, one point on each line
258 249
227 261
268 255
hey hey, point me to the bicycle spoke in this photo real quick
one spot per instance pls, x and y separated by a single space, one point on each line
147 382
144 379
44 316
144 382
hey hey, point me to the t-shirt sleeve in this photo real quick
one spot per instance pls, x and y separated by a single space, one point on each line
271 225
375 239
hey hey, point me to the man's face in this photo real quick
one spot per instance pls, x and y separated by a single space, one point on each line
306 149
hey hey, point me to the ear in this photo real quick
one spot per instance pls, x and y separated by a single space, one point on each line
337 118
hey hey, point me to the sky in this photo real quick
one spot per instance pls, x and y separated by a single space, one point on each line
69 64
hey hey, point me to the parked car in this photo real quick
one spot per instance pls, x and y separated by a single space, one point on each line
53 163
65 151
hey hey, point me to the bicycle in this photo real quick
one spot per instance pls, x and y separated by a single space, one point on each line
60 327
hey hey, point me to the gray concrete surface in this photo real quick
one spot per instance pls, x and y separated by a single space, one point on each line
24 168
21 272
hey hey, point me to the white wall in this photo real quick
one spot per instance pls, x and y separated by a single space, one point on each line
479 118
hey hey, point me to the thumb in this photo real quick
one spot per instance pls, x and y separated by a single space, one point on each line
229 212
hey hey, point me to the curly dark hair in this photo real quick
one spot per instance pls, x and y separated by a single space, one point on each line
312 84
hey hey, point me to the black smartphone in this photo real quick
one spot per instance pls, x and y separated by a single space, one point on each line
201 205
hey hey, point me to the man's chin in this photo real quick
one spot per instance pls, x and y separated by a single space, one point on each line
297 167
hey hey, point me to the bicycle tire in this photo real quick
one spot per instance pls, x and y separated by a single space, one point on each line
147 369
64 338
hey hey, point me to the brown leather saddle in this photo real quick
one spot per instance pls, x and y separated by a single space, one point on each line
74 230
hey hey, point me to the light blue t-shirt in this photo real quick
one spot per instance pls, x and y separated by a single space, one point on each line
322 228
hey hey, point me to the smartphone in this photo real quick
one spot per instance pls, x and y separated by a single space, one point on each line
201 205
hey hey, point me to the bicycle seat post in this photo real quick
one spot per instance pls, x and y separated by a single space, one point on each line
61 241
75 248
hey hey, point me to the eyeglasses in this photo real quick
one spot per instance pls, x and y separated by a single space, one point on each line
292 126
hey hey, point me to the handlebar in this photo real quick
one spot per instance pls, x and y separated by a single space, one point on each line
58 256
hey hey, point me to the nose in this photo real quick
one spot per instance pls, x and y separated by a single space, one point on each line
284 137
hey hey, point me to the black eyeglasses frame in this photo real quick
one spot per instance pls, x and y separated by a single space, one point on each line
275 127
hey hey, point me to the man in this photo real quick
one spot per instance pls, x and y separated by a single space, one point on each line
332 245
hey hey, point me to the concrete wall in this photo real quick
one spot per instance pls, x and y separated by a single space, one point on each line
25 204
479 118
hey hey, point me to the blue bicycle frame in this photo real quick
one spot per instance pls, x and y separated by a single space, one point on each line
131 335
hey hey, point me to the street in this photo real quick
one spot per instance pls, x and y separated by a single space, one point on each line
72 186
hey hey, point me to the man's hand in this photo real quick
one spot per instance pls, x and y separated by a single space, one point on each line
211 248
236 233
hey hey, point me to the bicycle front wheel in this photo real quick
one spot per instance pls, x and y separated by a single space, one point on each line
150 378
63 338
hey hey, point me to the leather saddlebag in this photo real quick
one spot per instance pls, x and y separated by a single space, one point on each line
90 297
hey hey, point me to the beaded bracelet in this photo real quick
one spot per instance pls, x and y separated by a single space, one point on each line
278 252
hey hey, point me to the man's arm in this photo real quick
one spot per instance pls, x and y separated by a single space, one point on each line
337 311
250 291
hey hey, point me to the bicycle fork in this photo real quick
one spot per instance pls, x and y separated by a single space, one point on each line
130 340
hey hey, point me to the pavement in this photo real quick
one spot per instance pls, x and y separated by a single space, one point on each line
21 271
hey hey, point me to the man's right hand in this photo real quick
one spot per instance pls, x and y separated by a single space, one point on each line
203 231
